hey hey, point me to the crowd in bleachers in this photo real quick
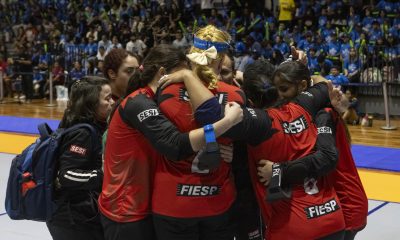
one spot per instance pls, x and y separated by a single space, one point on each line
345 40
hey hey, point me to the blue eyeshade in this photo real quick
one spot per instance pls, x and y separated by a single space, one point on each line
204 45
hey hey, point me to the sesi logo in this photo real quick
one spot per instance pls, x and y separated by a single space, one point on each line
147 113
325 129
296 126
78 150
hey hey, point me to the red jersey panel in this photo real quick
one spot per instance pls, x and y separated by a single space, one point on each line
314 210
180 189
347 182
129 163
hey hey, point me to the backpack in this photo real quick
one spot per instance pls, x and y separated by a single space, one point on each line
30 187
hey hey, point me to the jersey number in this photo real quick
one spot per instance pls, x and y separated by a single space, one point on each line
310 186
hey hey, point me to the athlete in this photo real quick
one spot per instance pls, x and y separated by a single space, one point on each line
119 66
201 214
345 178
137 134
80 175
310 208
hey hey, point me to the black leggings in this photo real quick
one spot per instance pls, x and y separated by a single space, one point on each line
138 230
335 236
206 228
69 232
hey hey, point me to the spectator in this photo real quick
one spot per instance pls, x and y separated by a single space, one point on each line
277 57
180 41
312 62
136 45
24 66
91 49
324 65
306 43
101 53
104 42
336 77
286 10
351 115
352 66
99 71
8 76
375 33
92 33
38 82
115 44
75 74
345 46
58 79
333 53
281 46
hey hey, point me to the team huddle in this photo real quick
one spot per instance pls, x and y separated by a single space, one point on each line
188 154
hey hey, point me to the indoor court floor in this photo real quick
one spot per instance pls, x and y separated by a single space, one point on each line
376 152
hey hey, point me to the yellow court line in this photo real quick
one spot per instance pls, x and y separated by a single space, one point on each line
379 185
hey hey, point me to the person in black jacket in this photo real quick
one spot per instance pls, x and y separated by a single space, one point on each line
80 175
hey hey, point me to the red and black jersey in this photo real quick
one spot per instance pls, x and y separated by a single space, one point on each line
137 133
314 209
347 182
180 188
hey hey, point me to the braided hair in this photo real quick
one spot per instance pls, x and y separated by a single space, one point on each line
212 34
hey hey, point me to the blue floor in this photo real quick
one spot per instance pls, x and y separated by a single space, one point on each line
370 157
24 124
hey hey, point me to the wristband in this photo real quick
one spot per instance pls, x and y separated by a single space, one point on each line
275 189
210 158
209 133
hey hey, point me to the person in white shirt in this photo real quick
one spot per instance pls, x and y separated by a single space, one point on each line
136 45
115 44
180 41
101 54
104 42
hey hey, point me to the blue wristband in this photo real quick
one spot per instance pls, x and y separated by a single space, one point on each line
209 133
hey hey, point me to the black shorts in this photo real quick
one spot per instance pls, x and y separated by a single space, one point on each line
208 228
138 230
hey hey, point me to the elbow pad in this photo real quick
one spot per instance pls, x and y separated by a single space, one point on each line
208 112
276 190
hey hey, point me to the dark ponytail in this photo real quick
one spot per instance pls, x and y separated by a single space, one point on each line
293 72
257 84
162 55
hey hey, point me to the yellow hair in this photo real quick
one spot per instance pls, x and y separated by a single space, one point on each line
212 34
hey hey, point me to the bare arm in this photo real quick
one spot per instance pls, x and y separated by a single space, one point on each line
197 91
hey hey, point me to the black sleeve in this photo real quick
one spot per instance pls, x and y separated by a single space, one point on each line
255 128
143 114
77 162
319 163
314 99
